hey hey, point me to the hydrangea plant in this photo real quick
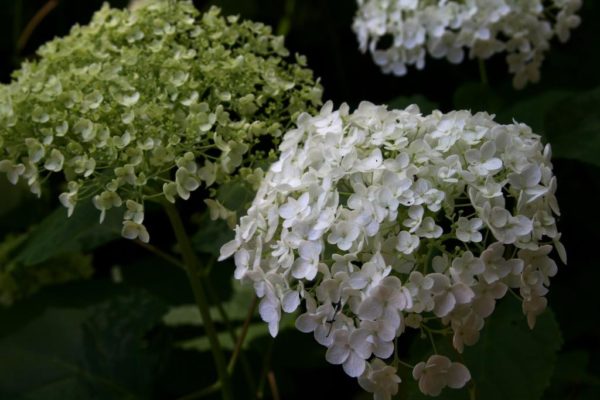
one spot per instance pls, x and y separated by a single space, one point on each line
149 103
380 221
522 29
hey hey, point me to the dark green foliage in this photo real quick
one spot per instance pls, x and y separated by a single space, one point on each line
57 234
573 127
80 341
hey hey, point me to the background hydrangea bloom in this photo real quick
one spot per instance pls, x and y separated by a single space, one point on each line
148 103
387 220
446 28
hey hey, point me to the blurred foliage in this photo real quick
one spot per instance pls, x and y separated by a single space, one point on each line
19 279
101 340
57 350
57 234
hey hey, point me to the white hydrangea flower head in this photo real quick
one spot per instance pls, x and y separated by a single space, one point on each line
447 29
385 220
156 101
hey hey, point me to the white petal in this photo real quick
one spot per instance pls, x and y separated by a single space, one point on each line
444 304
290 301
384 349
310 250
268 310
370 309
273 328
354 365
306 323
462 293
458 376
228 249
337 354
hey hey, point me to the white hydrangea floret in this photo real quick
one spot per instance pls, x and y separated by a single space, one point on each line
439 372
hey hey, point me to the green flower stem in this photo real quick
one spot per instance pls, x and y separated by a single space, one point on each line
515 295
285 24
194 271
215 299
240 340
232 361
273 385
429 258
429 334
407 365
472 391
260 394
202 393
483 72
161 254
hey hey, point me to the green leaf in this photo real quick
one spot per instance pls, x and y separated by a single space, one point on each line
425 105
58 234
573 127
533 110
18 281
235 195
236 309
510 361
477 97
255 330
56 349
211 235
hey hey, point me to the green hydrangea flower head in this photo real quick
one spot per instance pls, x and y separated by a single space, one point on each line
151 102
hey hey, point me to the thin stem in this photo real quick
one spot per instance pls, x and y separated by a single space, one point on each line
232 361
516 296
428 259
240 340
273 385
203 392
285 24
215 299
444 331
158 252
34 22
194 272
260 394
472 392
483 72
432 341
405 364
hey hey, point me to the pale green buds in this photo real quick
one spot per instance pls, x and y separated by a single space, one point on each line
158 101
